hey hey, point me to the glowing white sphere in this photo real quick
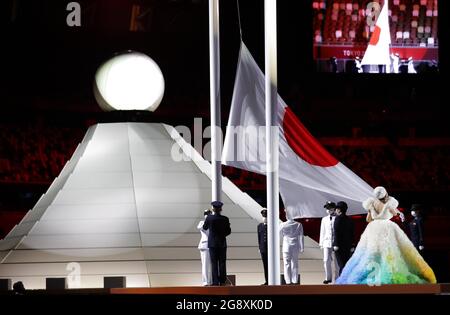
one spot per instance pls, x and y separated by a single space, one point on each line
129 81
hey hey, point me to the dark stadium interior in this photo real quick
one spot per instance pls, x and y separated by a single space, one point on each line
390 130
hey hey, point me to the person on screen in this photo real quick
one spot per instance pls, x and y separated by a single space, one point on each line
382 68
358 65
395 63
403 66
411 68
433 66
333 65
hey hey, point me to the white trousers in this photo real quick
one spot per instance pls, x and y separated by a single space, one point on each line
329 259
290 260
206 267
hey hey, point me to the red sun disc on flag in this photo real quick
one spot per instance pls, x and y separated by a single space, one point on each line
303 143
375 36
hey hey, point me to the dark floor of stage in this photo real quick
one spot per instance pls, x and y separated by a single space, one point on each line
424 289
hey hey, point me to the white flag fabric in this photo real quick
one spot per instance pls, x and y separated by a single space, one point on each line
378 50
309 175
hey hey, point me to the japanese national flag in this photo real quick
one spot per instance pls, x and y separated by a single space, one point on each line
309 175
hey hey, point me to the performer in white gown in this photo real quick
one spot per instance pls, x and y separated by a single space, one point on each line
204 252
384 254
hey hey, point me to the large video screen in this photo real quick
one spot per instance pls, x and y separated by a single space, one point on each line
378 36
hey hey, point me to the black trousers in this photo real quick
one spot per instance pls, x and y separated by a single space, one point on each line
342 256
218 264
265 261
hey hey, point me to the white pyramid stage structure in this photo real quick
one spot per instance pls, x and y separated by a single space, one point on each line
123 207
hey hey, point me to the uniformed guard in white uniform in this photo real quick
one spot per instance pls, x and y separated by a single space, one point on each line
326 243
411 68
293 243
204 252
395 62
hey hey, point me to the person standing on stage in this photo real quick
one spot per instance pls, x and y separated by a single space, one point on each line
343 235
333 65
416 227
411 68
326 243
384 254
262 243
292 234
204 251
219 228
395 62
358 65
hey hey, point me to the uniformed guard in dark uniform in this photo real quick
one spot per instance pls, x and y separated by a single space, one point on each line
416 227
343 235
262 242
219 228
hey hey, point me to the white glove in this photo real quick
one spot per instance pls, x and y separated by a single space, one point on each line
421 247
402 216
335 248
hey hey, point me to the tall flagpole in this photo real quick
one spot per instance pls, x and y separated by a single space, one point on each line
214 74
270 30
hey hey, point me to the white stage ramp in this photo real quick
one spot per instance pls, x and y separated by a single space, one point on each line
123 207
